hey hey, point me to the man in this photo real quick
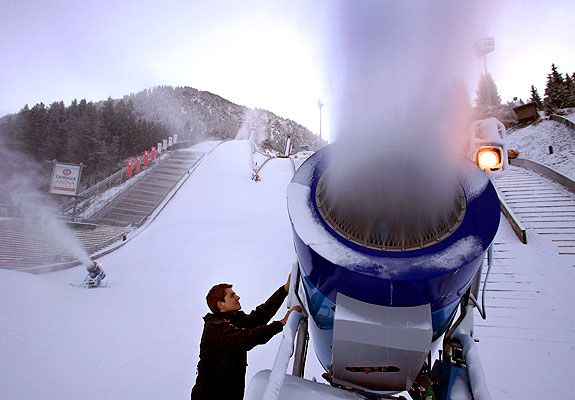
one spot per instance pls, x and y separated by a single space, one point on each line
228 335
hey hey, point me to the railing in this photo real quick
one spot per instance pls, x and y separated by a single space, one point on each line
514 221
477 381
279 369
547 172
570 124
106 184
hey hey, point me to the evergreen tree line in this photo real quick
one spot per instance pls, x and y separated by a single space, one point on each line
559 92
100 136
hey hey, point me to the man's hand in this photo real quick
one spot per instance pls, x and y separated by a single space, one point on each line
296 308
286 286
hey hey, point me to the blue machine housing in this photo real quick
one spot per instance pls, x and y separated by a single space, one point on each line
438 275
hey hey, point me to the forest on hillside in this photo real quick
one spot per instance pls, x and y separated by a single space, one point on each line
103 135
99 136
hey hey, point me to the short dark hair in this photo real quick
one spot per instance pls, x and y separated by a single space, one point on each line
217 293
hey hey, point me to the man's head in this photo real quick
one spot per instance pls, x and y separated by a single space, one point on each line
221 298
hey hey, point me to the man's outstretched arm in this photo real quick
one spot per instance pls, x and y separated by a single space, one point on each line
229 336
264 313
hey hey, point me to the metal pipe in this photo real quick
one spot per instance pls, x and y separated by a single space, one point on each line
477 380
279 369
300 349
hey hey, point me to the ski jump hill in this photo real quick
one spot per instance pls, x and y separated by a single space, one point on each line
139 337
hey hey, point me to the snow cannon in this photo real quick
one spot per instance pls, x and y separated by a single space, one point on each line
488 147
381 288
95 275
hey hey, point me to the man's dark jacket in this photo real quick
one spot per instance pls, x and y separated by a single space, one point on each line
225 342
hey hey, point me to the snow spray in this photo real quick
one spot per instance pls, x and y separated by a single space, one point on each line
253 127
22 180
399 109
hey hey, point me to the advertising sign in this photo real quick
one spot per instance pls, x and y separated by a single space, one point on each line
164 144
65 179
175 138
170 142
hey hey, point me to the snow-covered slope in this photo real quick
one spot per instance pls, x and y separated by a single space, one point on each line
140 337
533 144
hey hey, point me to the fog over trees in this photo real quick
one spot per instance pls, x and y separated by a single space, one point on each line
559 95
103 135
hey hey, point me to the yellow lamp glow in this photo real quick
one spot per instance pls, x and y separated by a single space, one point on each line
489 158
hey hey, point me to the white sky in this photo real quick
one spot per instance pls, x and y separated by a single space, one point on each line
267 54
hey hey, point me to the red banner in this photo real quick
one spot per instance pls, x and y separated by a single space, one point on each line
129 169
145 157
153 153
138 165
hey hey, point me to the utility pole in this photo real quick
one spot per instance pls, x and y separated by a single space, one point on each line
320 105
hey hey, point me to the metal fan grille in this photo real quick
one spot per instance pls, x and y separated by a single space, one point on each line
411 239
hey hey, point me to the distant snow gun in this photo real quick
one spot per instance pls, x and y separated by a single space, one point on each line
95 276
384 291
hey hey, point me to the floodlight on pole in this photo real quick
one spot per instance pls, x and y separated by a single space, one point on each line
484 47
320 105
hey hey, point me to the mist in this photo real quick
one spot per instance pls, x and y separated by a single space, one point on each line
23 184
399 109
253 126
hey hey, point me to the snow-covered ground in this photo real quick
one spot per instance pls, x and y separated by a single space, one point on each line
533 144
139 338
527 342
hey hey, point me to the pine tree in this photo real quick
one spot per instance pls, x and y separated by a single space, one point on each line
535 98
569 91
555 91
34 136
487 95
56 132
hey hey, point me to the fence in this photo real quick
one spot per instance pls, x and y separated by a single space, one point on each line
103 185
547 172
570 124
114 179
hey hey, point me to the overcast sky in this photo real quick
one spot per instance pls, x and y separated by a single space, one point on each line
269 54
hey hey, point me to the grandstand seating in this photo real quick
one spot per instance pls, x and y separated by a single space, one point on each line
28 246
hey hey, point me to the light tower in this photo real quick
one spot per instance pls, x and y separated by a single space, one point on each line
484 47
320 105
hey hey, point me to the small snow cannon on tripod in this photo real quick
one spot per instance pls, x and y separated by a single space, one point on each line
95 276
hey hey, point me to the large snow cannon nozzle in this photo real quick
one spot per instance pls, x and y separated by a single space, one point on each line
393 225
384 270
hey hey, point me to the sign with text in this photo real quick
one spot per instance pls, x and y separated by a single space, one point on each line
65 179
